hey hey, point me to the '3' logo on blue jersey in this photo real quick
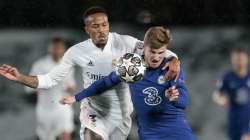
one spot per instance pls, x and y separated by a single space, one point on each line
152 96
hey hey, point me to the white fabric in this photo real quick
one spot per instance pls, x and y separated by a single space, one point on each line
52 117
112 108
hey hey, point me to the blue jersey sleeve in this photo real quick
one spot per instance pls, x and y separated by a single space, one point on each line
182 100
98 87
221 84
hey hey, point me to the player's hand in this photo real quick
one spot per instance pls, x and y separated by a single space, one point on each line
67 100
173 67
245 136
172 94
10 72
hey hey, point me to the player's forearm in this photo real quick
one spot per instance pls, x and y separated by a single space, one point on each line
98 87
182 100
30 81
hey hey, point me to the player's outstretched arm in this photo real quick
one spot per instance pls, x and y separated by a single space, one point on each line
97 88
13 74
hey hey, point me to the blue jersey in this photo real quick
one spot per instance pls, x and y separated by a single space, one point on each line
237 89
158 118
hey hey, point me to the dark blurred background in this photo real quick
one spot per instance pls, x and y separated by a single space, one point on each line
57 13
204 32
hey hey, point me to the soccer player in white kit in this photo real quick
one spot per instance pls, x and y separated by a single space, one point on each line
107 116
53 119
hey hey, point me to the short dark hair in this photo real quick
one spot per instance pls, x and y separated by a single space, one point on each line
55 40
157 36
93 10
239 50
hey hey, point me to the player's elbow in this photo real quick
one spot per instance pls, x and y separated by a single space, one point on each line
182 101
182 104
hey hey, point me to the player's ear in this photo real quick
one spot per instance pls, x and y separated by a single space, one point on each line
86 29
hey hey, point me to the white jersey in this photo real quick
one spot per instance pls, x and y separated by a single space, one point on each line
48 98
112 108
52 118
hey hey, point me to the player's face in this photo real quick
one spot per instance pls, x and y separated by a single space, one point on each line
154 57
97 26
239 61
57 50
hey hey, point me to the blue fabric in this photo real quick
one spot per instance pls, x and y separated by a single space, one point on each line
237 89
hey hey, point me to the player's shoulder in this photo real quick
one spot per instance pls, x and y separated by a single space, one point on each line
121 37
227 75
79 47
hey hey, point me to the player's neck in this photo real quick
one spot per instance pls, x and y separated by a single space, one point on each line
100 46
55 59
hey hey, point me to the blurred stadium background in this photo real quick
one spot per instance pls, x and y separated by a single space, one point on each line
203 33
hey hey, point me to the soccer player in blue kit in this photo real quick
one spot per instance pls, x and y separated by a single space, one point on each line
234 92
159 104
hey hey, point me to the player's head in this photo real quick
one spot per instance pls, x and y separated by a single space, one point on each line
97 25
239 59
156 42
56 48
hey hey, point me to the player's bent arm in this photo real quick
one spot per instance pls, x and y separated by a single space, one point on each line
219 98
182 100
98 87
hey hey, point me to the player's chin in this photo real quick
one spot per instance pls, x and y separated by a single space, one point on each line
102 42
154 65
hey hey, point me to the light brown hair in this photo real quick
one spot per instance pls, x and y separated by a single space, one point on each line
157 37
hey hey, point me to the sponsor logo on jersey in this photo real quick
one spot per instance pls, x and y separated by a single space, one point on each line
152 98
242 96
94 77
90 63
248 83
161 79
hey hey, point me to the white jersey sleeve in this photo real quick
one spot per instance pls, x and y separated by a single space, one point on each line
133 44
136 46
170 54
69 81
58 73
